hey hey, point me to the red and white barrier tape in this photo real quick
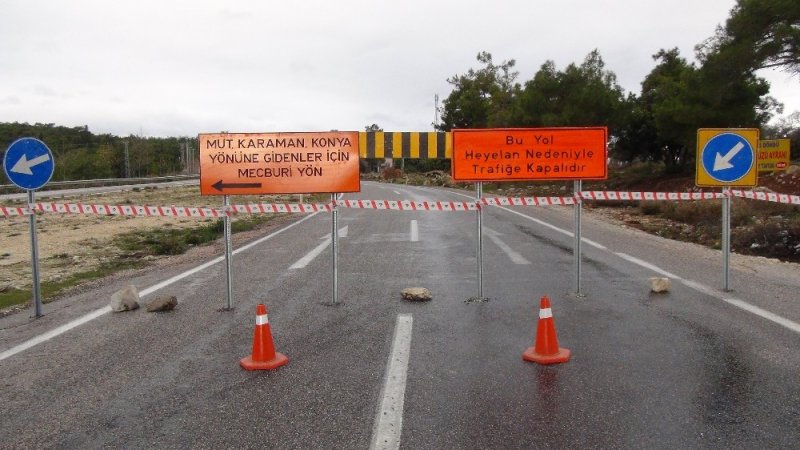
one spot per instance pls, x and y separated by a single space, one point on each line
613 195
6 211
527 201
398 205
128 210
768 196
263 208
407 205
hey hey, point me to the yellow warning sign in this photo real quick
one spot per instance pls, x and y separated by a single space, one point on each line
773 154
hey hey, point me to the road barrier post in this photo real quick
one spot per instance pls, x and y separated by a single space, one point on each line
37 294
228 253
576 254
478 196
335 247
726 238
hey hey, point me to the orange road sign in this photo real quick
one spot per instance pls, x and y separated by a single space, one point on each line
531 154
279 163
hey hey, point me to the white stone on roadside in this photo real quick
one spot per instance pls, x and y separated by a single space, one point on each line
416 294
659 284
125 299
166 303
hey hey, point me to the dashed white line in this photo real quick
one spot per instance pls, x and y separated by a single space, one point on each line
306 260
389 421
699 287
515 257
414 231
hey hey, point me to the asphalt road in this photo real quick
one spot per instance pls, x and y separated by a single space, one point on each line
696 367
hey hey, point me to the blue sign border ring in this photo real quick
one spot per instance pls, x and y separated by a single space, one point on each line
728 157
28 163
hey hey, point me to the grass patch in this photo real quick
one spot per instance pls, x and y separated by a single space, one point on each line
170 241
51 289
136 244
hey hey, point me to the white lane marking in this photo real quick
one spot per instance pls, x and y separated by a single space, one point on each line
389 421
555 228
53 333
647 265
306 260
414 231
543 223
699 287
711 292
144 292
794 326
396 192
515 257
342 233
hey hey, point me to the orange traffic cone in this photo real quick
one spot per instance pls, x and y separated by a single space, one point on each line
546 350
264 356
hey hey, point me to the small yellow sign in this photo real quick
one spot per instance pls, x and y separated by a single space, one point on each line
773 155
727 157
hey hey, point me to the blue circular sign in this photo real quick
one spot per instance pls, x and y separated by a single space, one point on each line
28 163
727 157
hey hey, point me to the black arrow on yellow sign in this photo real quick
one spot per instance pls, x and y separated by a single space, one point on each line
220 186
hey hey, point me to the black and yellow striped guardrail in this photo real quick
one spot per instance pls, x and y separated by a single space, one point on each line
405 144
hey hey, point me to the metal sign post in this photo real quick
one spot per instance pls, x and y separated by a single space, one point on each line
576 254
529 154
228 253
478 196
28 163
279 163
37 294
726 158
726 239
335 248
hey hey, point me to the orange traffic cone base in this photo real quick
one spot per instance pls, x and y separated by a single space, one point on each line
561 356
279 360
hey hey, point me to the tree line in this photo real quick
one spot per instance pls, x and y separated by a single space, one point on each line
720 90
81 155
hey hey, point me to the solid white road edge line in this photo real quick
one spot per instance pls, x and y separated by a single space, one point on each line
389 421
144 292
711 292
741 304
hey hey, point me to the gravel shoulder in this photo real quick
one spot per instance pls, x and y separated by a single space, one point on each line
73 243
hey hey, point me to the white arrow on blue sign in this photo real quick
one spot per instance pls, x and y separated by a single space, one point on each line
28 163
728 157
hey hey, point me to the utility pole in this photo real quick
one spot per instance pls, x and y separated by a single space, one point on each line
436 111
127 160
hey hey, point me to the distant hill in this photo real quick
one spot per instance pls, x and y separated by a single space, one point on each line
79 154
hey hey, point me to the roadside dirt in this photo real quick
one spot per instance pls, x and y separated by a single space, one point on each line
73 243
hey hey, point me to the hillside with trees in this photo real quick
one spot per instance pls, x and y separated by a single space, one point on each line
82 155
721 90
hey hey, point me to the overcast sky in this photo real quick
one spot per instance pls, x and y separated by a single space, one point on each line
179 68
